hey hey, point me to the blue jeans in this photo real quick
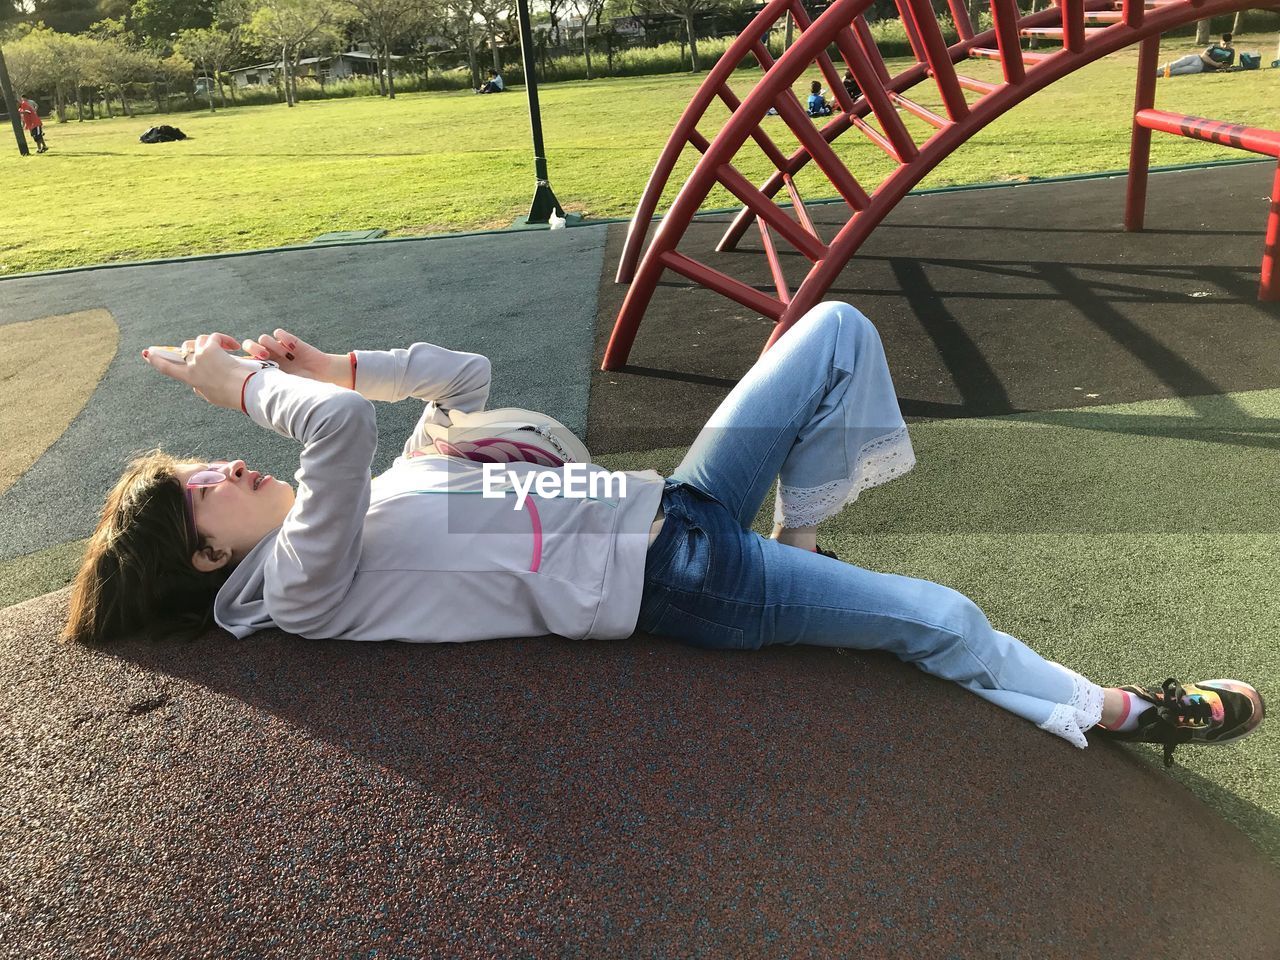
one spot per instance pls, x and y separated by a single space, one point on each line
818 412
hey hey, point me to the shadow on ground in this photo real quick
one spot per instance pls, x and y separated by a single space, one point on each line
557 798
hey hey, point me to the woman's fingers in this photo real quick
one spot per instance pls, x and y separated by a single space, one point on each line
216 341
274 349
175 369
288 340
259 351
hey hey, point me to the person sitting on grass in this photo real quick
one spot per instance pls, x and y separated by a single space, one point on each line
493 84
427 552
851 85
818 106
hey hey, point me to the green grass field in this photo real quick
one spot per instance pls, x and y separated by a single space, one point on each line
437 162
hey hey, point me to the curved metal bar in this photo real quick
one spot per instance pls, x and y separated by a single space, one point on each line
898 184
898 84
738 51
792 64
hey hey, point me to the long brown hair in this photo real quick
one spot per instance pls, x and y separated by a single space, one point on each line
137 576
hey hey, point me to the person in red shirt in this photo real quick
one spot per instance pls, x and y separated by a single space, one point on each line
30 115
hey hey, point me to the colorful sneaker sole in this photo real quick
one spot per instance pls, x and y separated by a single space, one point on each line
1250 693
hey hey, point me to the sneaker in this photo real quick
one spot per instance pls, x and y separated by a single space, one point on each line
1207 712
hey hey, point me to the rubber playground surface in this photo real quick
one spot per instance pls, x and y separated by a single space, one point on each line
1096 417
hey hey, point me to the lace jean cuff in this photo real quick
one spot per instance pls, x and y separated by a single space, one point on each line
879 461
1070 720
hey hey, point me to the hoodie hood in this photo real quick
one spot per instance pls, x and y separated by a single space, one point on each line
239 607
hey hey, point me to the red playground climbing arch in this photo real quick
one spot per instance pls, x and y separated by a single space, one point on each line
1086 29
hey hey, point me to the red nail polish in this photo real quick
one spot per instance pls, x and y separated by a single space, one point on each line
289 355
146 354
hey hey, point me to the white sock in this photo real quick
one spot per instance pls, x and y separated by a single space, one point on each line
1129 721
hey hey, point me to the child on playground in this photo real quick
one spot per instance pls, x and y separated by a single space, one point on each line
818 106
30 115
425 553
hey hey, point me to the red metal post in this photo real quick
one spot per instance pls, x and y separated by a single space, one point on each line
770 212
960 17
1144 97
767 146
909 25
1004 14
775 85
1224 132
689 118
722 283
798 205
1269 286
866 71
820 151
775 265
939 57
1073 25
869 49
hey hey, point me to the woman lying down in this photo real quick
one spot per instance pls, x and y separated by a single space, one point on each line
443 547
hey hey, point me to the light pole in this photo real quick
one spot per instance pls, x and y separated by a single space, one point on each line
11 103
544 201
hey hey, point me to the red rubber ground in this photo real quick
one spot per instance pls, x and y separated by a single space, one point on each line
275 797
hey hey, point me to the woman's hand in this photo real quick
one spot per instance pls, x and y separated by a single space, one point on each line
208 368
300 358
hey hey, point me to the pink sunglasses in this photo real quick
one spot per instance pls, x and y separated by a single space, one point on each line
201 478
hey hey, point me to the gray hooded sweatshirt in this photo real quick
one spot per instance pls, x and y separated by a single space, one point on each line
420 553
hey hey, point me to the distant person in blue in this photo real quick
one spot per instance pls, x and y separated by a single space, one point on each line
493 84
818 106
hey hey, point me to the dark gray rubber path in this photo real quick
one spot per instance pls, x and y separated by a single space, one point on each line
526 300
989 302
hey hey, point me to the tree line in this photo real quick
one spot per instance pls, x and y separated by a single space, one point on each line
90 54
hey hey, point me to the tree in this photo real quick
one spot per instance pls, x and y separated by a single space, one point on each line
289 25
43 58
211 49
175 71
460 25
388 22
585 11
231 17
161 19
117 65
73 61
687 10
30 61
64 16
494 13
